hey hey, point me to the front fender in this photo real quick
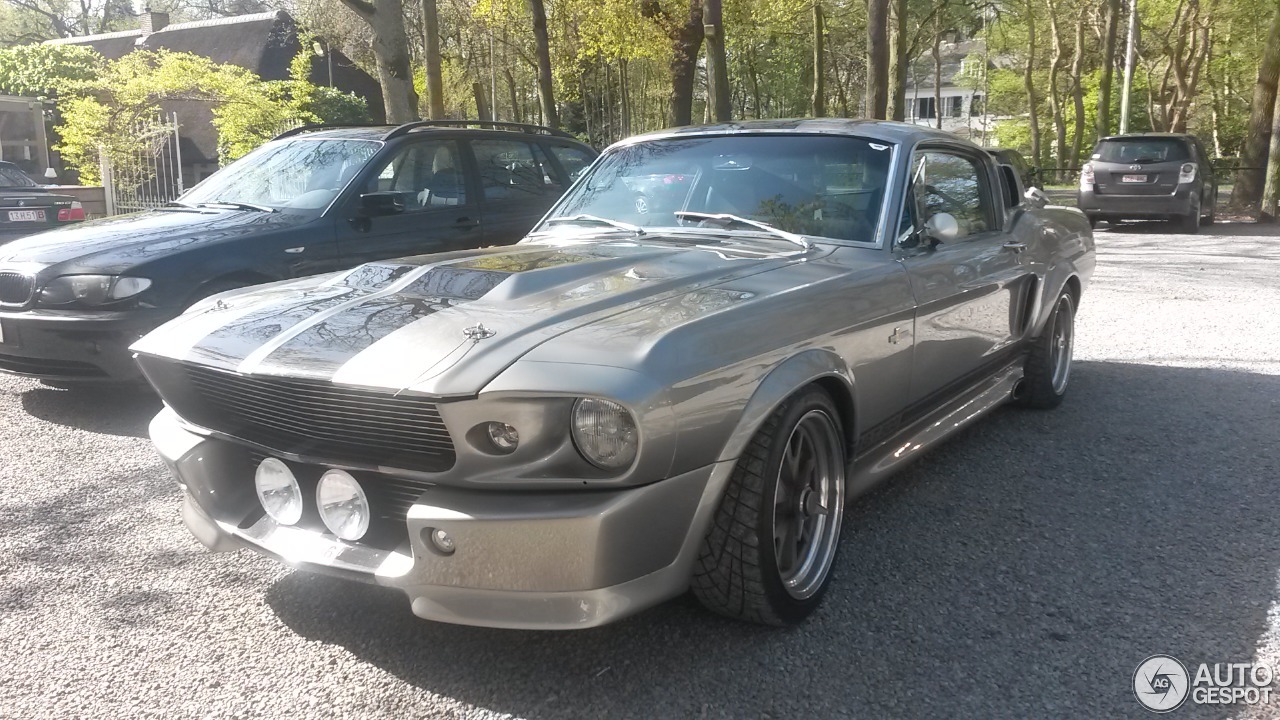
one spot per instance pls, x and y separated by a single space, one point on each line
780 383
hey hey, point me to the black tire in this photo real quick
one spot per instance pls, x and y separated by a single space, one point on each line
1189 223
738 569
1094 221
1213 210
1042 388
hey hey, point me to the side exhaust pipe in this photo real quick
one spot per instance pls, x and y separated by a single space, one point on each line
1018 389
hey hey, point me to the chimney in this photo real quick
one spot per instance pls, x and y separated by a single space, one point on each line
154 21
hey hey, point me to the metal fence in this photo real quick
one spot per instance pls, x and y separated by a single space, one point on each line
150 174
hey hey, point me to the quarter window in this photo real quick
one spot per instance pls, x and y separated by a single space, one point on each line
573 160
945 183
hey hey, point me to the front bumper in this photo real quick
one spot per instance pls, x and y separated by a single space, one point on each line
69 345
523 559
1114 205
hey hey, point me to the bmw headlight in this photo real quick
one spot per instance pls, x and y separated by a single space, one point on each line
605 433
343 506
91 289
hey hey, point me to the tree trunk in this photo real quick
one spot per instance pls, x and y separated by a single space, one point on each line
435 76
1055 100
482 102
717 70
1251 176
897 109
686 41
1271 191
877 59
819 103
937 72
1103 127
546 90
391 52
1077 97
1028 84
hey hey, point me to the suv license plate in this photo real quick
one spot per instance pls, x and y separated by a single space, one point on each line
1133 178
26 216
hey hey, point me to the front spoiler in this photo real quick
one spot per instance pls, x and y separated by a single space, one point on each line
529 560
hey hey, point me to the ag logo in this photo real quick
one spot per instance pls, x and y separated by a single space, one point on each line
1161 683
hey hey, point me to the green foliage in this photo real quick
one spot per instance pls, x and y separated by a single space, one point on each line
46 70
110 112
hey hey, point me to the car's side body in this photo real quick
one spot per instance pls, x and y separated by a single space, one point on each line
701 337
187 253
1149 176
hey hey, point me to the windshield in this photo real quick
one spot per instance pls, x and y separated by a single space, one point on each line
13 177
1141 150
807 184
294 174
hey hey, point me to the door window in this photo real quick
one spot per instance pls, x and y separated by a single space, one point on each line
514 170
945 183
426 174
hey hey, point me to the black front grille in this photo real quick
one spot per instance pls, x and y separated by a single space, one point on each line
317 419
15 288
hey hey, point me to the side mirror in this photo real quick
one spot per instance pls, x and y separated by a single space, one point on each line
1036 197
942 228
375 204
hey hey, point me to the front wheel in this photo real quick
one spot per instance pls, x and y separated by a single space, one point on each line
1048 368
768 555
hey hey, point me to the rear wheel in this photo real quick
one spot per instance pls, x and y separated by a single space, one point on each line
1048 368
1213 210
768 555
1189 223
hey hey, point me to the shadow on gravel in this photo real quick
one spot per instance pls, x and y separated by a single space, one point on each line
110 409
1027 566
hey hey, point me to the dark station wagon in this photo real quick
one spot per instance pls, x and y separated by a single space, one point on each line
313 200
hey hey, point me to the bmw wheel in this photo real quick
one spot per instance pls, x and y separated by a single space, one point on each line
768 555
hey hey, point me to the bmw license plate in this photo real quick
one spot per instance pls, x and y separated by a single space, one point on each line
26 216
1133 178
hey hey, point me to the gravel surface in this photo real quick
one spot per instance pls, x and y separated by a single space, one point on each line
1022 570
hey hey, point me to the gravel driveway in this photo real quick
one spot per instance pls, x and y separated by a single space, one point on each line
1022 570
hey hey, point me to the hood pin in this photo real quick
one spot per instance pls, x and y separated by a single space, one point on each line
479 332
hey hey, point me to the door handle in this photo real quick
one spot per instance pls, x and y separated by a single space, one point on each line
1015 246
466 223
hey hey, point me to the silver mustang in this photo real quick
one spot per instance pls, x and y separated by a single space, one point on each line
639 398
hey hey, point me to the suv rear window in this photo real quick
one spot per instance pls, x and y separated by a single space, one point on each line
1141 150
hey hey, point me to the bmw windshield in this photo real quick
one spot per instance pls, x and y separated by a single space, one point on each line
297 174
814 185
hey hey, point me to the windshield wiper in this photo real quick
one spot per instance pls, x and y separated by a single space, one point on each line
633 229
237 205
725 220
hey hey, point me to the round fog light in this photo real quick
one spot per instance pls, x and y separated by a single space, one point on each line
278 491
504 437
443 542
343 505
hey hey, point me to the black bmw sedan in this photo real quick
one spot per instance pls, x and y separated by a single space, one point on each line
309 202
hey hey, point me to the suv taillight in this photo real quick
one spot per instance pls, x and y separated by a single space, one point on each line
1086 176
1187 172
71 214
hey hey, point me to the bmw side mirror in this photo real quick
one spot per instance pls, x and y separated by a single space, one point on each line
375 204
942 228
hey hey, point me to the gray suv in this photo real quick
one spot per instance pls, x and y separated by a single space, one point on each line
1153 176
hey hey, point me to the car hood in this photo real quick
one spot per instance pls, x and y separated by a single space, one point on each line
447 324
116 243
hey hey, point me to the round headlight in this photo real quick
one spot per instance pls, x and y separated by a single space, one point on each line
605 433
343 505
278 491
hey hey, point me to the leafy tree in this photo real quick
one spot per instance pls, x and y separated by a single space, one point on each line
46 70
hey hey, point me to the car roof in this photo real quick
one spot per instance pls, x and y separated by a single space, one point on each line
896 132
388 132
